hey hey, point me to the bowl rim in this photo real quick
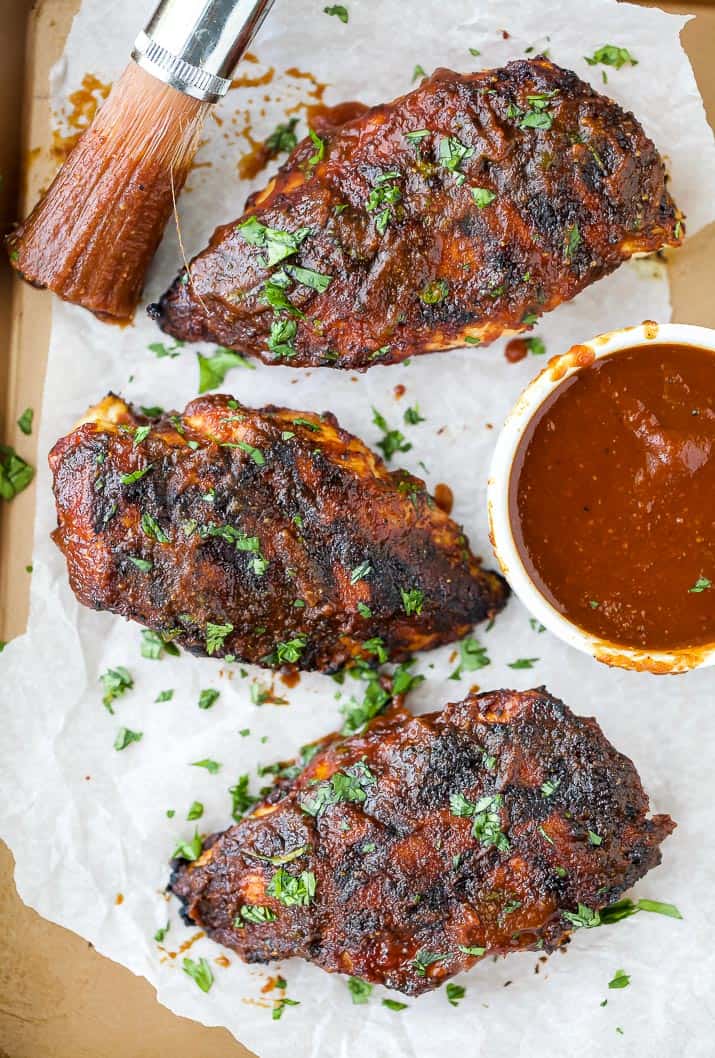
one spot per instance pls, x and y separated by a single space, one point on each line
554 374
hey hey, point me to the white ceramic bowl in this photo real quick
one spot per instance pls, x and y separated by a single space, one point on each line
500 529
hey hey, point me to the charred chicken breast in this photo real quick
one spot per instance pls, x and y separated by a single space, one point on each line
269 536
405 854
454 215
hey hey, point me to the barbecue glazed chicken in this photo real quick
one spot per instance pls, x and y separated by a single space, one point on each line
454 215
404 854
267 536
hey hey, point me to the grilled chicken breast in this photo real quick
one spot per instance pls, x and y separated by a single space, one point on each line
269 536
405 854
454 215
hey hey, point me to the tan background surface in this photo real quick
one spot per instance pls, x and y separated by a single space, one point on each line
58 998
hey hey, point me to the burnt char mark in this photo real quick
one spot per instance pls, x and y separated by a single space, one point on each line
213 534
399 874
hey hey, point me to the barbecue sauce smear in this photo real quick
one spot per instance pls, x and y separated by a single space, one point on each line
612 497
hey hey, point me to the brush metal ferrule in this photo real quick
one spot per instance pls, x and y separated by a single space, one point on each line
194 45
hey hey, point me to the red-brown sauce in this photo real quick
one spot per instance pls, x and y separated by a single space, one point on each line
612 497
516 350
444 497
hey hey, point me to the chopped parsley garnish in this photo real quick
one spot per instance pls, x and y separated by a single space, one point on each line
394 1004
657 907
594 839
314 427
160 350
412 601
550 787
319 152
376 646
538 115
152 412
151 528
283 138
208 697
485 815
451 155
140 435
125 737
200 972
289 652
214 368
364 610
216 636
483 197
425 958
472 656
135 475
188 850
211 766
292 890
584 918
255 453
523 663
25 421
196 810
359 990
282 337
455 993
115 682
416 135
142 564
164 696
419 71
611 55
434 292
627 907
280 1005
278 244
701 584
536 346
472 950
242 542
412 416
536 626
620 980
162 932
360 572
573 241
316 280
154 645
257 914
274 293
385 194
350 784
241 800
393 440
339 10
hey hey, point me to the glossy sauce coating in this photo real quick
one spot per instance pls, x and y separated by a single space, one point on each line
441 219
411 885
612 497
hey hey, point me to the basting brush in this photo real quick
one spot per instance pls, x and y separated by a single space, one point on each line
92 236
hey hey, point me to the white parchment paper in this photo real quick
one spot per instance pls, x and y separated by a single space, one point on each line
87 823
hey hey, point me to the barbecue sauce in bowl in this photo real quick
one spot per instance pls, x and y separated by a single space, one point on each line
612 497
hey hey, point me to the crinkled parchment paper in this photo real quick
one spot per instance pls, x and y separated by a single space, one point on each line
87 823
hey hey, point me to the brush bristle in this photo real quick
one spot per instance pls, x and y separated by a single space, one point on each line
92 237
